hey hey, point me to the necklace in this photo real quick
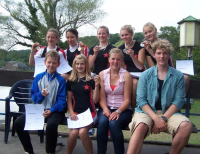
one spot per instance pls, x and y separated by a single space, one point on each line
49 79
126 46
85 78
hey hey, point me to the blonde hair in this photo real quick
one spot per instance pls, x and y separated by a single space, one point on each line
150 25
162 44
129 28
105 28
116 50
53 54
74 76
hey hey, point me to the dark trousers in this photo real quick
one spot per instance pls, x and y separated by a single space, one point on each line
51 132
115 127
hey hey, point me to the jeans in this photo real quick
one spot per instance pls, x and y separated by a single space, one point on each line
51 132
115 129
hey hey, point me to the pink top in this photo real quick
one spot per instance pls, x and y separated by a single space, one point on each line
115 97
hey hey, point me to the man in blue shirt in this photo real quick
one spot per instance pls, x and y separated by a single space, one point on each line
49 89
160 95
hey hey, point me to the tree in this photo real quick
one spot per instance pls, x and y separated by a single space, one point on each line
138 37
28 21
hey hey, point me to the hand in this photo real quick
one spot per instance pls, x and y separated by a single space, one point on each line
130 52
97 81
44 93
82 46
114 116
106 112
146 44
47 113
73 116
35 45
159 126
96 50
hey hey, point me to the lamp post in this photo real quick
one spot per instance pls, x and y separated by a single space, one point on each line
189 37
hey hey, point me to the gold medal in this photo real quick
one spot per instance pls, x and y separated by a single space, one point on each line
79 48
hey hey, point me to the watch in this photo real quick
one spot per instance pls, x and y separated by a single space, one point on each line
164 118
118 111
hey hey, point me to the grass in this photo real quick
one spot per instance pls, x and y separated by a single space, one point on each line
164 137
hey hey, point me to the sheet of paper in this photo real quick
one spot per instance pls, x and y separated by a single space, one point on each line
40 66
34 117
64 66
135 74
84 119
185 66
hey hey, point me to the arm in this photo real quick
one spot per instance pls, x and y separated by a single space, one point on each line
31 57
69 105
60 98
149 61
93 55
127 96
102 101
139 63
36 95
95 92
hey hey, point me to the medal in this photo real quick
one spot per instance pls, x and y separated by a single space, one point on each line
79 48
100 47
125 50
47 89
142 45
38 48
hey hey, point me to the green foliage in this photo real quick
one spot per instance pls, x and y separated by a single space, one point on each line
89 40
138 37
114 38
29 20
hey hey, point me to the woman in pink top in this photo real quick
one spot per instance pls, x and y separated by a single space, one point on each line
115 112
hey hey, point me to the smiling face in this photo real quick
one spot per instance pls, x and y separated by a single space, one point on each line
126 36
80 66
71 38
102 35
51 39
150 33
161 57
115 60
51 64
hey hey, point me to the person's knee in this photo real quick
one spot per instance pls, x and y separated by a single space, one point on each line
185 128
142 128
51 126
74 134
83 134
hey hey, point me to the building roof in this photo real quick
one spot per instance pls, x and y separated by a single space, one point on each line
189 19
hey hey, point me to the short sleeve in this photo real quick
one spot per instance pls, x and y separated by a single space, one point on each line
68 84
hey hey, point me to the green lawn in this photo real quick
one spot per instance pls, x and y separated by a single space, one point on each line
194 138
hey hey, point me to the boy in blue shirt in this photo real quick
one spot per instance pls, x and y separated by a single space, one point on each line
49 89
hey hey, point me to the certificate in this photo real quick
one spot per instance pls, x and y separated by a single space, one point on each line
185 66
135 74
84 119
40 66
34 117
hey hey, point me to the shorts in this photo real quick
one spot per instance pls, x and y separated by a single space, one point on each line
172 123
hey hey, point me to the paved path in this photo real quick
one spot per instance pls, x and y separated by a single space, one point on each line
14 147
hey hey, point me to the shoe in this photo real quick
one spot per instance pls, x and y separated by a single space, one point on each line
51 153
28 153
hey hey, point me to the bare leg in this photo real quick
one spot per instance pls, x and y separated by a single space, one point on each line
71 142
87 143
136 141
187 82
181 138
133 95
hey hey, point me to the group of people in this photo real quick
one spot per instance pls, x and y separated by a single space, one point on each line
156 96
